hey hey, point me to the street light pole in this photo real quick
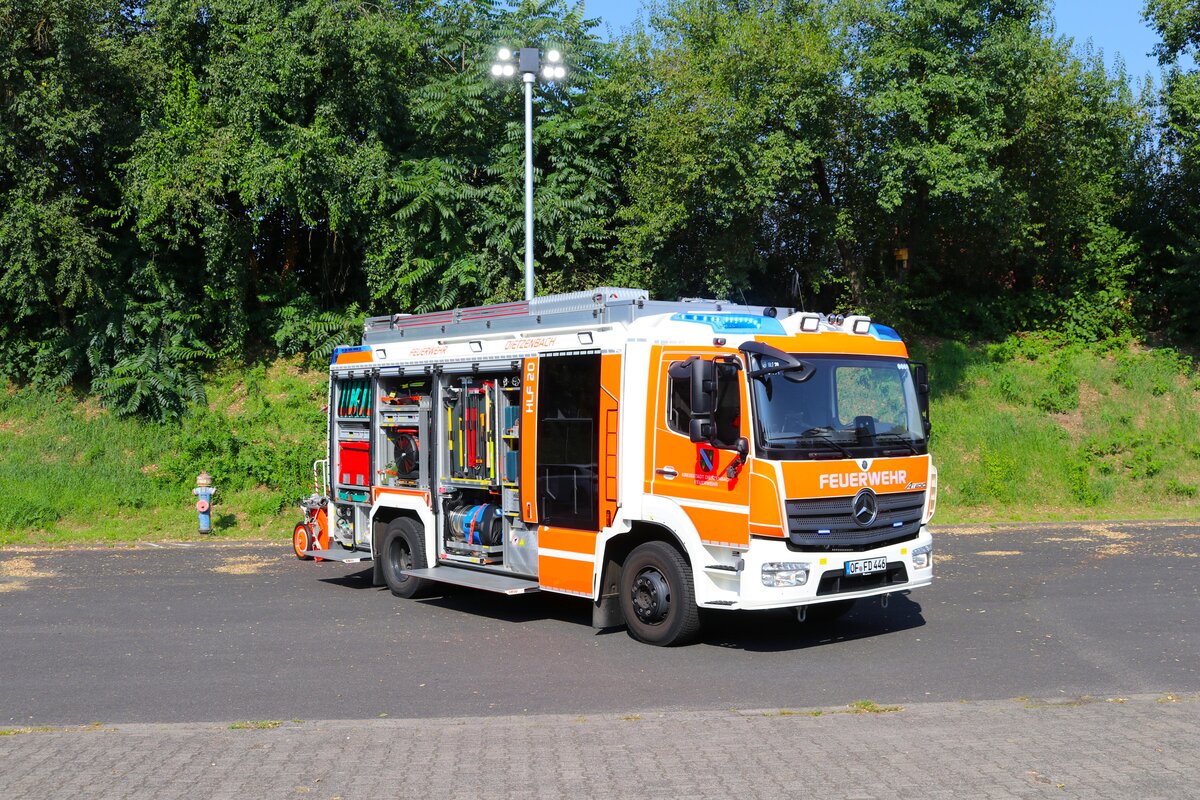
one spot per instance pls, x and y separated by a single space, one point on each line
528 59
528 78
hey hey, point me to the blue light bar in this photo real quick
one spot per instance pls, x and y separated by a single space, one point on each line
884 333
734 323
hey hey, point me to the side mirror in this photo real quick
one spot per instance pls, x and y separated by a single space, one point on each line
701 430
920 374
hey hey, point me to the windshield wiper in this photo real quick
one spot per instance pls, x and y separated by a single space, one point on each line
901 439
812 436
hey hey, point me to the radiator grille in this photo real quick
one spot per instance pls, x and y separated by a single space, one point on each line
829 522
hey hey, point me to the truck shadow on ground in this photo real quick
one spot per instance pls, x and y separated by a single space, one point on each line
779 630
752 631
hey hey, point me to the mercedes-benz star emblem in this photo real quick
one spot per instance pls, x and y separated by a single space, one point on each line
865 508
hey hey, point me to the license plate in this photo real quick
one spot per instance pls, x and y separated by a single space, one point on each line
866 566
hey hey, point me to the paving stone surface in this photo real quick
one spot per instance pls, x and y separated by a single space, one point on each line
1142 746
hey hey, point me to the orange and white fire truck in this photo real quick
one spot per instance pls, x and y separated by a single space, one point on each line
653 457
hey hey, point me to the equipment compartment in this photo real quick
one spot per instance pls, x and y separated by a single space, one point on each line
403 426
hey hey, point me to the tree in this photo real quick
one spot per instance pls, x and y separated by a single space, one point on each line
1173 229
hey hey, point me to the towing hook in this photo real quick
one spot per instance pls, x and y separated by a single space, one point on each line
883 599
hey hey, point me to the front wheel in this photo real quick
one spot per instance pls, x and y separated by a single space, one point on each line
403 547
302 539
658 597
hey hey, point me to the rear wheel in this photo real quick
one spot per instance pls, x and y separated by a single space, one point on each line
658 597
403 547
302 539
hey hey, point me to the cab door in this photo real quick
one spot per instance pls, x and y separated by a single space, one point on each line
709 480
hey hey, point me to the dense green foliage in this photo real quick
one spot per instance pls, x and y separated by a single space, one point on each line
185 183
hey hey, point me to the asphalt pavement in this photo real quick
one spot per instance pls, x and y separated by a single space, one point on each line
1045 661
232 631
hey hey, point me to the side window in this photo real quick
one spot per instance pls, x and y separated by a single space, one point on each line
728 415
679 405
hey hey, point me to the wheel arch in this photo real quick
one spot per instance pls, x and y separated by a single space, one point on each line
390 507
606 610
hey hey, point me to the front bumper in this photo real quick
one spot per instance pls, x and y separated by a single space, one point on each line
826 580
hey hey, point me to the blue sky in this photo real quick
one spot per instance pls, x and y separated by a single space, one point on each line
1114 26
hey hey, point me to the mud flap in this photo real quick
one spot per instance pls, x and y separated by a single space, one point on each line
606 612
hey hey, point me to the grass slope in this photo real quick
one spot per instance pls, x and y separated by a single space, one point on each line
72 471
1030 429
1037 429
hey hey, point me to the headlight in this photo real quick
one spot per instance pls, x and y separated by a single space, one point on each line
922 556
785 573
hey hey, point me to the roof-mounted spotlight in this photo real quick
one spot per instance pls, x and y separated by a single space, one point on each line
859 324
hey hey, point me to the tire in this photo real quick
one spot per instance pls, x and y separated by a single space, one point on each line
828 612
302 539
403 546
658 597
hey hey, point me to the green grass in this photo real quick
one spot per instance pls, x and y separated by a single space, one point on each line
255 725
1030 429
1034 429
71 471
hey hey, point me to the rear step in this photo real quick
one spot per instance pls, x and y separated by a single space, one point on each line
345 556
488 581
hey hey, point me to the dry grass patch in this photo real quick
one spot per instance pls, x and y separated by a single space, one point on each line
13 586
999 553
963 530
10 426
245 565
24 567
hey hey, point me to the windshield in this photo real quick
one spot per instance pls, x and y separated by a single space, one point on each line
847 407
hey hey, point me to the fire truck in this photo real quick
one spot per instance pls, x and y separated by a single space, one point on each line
655 458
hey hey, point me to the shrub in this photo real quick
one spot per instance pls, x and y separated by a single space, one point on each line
1180 489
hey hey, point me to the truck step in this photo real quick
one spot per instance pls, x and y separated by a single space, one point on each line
345 556
488 581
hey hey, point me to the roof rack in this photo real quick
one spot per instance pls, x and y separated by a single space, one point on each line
600 306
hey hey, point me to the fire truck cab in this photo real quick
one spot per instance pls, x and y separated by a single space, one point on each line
655 458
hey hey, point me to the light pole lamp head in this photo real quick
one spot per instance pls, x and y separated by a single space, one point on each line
528 60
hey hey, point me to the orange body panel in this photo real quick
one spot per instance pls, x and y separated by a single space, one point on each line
382 490
720 526
529 385
844 478
361 357
567 539
610 400
850 343
700 469
565 575
765 501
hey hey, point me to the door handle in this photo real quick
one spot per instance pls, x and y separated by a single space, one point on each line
667 472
